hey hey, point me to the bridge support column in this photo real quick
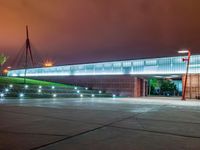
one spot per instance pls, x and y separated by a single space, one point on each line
144 87
139 87
193 86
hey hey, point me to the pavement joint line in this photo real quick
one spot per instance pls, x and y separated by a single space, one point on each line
168 121
140 124
88 131
69 137
26 133
139 118
49 117
109 125
158 132
82 133
63 108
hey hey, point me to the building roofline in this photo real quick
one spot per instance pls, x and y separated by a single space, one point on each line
142 58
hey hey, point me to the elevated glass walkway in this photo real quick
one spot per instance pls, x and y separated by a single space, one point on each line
153 66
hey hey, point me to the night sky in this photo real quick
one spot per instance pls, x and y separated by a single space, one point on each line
78 31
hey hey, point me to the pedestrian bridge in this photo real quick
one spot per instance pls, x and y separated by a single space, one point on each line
153 66
124 78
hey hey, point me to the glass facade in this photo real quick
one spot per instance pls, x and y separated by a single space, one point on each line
154 66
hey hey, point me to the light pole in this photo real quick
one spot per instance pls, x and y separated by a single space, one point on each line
187 69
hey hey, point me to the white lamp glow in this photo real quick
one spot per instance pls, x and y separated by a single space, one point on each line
54 95
2 95
183 51
21 95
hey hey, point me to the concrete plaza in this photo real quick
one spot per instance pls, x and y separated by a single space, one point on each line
100 124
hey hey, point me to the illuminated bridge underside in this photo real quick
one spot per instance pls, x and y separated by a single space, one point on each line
124 78
156 66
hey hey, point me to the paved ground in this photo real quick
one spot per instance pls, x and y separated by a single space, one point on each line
100 124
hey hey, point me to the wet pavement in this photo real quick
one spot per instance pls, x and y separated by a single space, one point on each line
100 124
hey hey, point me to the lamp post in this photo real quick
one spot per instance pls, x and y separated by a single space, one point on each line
187 69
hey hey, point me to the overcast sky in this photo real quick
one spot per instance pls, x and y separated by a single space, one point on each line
78 31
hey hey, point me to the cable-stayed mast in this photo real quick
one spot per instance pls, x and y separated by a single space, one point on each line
27 54
28 48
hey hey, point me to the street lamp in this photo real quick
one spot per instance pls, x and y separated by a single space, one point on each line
187 69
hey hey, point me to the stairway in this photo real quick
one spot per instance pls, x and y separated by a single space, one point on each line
36 91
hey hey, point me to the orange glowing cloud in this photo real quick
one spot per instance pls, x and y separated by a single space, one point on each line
90 30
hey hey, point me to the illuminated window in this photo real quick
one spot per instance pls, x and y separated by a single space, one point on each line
117 64
127 64
151 62
138 63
